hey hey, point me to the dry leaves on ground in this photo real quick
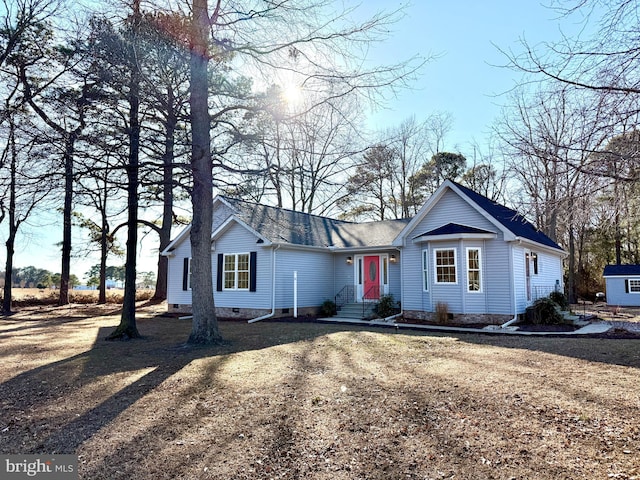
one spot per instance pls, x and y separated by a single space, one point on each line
305 400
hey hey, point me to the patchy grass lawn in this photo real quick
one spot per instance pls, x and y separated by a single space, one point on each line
295 400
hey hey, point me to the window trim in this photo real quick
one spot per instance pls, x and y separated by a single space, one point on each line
425 270
186 274
236 272
479 269
436 266
636 282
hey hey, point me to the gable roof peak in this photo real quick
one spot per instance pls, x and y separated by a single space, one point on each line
510 219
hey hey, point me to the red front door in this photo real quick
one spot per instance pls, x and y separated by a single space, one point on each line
372 277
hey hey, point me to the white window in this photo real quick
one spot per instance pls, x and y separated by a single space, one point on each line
425 270
474 270
186 274
445 263
534 261
236 271
634 286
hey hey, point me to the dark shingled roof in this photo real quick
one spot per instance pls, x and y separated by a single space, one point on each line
512 220
280 225
621 270
370 234
454 228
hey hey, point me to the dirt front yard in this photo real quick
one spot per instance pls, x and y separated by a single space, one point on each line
308 400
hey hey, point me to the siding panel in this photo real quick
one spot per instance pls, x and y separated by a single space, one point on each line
413 297
616 294
315 277
175 294
498 280
237 239
518 256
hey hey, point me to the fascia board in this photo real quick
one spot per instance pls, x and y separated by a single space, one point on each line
167 252
233 219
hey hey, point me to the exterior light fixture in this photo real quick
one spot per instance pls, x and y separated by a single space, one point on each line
393 258
349 260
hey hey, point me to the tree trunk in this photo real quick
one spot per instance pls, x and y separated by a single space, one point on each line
205 324
127 327
167 195
63 299
571 273
104 250
8 271
10 243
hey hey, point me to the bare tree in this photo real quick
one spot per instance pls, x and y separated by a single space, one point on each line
606 61
22 159
550 136
24 24
103 194
411 142
67 118
303 157
620 161
302 37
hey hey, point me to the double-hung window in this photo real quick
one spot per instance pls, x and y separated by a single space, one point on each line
236 271
445 265
474 270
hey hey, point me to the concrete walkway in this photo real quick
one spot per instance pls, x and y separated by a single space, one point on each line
590 329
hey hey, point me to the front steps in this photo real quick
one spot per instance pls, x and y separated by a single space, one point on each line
355 310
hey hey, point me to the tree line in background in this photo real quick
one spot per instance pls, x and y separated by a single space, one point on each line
33 277
129 121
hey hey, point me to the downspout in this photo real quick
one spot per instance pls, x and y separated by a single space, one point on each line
273 290
401 283
392 317
515 300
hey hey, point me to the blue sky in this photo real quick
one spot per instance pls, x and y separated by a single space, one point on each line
465 81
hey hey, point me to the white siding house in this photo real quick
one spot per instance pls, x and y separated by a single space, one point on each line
479 260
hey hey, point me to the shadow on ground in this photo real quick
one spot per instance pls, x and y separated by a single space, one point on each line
101 377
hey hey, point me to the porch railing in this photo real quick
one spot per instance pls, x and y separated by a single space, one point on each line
541 291
344 296
371 295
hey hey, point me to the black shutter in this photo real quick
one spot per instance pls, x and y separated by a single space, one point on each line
219 272
626 285
253 256
185 274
